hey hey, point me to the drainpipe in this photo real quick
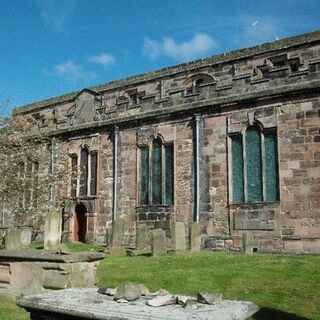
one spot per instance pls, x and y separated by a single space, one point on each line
197 167
115 171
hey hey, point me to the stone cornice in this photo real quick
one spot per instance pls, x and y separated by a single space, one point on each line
211 106
276 46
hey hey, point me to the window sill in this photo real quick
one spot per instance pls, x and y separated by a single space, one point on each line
144 206
262 203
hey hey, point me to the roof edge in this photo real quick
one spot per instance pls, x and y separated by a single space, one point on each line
233 55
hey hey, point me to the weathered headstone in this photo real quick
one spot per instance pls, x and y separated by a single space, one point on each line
53 230
142 238
158 243
248 243
13 238
178 236
118 226
26 236
195 236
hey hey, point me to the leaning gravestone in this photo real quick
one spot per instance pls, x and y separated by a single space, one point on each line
158 243
117 232
53 230
142 238
195 237
178 236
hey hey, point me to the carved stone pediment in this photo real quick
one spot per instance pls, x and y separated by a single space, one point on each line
84 108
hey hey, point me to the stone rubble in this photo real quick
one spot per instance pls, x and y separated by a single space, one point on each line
161 301
181 299
108 291
209 298
130 292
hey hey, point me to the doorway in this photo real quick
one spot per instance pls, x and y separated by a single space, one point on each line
80 223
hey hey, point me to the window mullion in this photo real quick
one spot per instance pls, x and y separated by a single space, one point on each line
163 174
150 174
263 166
245 178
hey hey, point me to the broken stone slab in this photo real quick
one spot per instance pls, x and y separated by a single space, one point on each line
181 299
160 292
209 298
161 301
144 291
128 291
108 291
190 304
87 303
122 301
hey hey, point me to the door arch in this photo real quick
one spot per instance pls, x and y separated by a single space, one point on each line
80 223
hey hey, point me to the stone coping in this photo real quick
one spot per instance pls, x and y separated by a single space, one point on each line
84 303
184 67
42 255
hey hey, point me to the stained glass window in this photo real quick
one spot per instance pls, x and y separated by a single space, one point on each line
156 174
254 166
93 171
84 157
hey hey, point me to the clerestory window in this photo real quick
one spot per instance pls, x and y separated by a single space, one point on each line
156 174
254 166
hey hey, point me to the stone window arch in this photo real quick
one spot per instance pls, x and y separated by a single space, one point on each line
254 165
156 173
194 83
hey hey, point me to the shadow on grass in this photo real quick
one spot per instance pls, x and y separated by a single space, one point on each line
148 254
268 314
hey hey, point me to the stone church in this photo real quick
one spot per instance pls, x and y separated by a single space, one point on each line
231 141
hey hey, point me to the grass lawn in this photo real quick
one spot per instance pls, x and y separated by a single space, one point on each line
285 287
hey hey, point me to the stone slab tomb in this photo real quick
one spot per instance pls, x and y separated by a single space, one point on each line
32 271
86 303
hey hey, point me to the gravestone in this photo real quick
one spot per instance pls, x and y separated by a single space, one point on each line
26 236
142 238
118 226
195 236
13 239
249 244
158 243
53 230
178 236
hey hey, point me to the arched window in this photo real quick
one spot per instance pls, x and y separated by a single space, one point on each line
193 84
156 173
254 166
197 84
88 169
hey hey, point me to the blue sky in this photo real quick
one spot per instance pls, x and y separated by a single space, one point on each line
51 47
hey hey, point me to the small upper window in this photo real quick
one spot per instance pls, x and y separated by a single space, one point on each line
194 83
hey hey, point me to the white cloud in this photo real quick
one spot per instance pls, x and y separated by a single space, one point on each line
200 44
103 59
56 14
70 71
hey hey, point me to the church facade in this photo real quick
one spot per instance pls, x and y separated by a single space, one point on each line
230 141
